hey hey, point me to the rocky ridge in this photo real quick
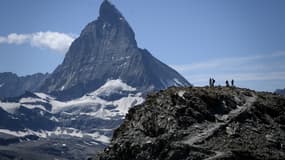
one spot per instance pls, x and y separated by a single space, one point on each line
12 85
202 123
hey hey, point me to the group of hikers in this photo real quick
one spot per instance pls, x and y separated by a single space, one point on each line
212 82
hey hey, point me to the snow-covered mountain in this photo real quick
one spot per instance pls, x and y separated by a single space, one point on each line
107 49
92 117
68 113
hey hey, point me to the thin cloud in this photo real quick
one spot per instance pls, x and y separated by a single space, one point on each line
225 62
55 41
264 67
2 40
16 38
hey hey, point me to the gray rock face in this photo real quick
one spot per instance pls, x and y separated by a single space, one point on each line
107 49
12 85
202 123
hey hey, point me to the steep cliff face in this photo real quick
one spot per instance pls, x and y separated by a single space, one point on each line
202 123
107 49
12 85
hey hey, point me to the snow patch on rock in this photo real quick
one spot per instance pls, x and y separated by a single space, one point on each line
90 104
9 107
113 86
58 132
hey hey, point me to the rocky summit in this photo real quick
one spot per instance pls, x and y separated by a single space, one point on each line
107 49
197 123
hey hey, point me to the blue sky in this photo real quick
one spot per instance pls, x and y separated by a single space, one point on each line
224 39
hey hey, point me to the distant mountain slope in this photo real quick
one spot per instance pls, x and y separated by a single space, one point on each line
12 85
202 123
107 49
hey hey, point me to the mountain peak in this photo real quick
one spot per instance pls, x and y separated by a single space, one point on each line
107 49
108 12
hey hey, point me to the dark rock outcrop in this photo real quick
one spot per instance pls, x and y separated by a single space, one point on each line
280 91
202 123
12 85
107 49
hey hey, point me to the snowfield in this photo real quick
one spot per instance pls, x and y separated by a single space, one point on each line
91 100
72 132
90 105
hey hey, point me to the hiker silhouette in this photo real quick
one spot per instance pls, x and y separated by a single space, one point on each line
227 83
212 82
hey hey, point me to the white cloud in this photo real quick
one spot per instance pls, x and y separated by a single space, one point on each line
2 40
54 41
17 38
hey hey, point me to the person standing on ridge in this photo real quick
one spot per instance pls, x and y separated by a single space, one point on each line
210 82
232 83
227 83
214 82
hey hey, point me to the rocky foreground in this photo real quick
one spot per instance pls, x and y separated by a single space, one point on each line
202 123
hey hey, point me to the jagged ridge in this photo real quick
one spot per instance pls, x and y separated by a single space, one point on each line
12 85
